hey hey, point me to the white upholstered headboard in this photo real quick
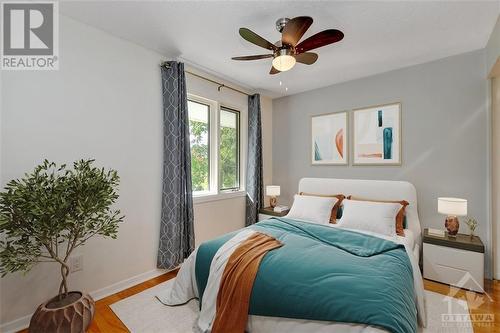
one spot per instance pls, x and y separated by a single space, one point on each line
370 189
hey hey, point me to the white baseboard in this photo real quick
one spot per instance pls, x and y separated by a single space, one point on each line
124 284
16 325
23 322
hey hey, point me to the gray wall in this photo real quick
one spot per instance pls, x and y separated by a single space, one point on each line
493 47
444 133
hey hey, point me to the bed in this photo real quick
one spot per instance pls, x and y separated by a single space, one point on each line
288 276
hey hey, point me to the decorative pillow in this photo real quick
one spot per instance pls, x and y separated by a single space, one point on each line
312 208
370 216
400 218
336 208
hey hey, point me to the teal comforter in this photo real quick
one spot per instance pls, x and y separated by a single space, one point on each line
325 273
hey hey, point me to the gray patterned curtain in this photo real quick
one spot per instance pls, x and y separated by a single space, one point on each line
176 230
254 198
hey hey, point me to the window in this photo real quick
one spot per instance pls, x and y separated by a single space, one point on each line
215 148
229 149
199 136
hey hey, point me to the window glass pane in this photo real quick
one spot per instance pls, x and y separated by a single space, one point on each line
229 149
199 115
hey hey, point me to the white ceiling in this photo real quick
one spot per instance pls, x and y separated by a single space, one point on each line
379 36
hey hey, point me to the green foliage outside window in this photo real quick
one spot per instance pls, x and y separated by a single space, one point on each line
199 155
229 170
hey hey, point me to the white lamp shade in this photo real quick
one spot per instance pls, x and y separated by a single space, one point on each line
272 190
452 206
284 62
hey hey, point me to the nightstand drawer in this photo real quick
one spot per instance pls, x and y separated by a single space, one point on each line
453 266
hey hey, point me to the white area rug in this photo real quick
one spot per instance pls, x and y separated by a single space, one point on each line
143 313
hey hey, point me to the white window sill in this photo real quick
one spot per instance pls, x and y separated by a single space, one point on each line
218 196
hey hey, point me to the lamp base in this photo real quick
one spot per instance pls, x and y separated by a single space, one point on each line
272 202
452 225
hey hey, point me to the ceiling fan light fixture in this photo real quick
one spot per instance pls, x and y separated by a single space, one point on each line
284 61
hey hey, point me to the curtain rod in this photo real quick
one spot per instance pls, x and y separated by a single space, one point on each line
220 85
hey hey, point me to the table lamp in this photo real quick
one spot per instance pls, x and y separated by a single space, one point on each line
452 207
273 191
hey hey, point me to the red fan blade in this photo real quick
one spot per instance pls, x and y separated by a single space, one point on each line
253 38
307 58
295 29
253 57
320 39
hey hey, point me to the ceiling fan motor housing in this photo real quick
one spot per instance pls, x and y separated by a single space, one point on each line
281 22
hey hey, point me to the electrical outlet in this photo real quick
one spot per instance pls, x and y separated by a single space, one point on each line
76 263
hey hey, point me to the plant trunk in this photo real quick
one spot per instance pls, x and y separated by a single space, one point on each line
63 287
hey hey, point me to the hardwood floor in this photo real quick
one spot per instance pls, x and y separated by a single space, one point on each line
105 320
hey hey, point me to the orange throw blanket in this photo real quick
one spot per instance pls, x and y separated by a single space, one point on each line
237 281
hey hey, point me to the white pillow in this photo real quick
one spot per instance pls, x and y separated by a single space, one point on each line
312 209
378 217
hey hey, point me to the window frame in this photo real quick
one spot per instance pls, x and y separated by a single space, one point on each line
215 192
211 156
238 145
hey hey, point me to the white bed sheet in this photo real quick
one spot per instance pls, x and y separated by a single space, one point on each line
410 238
260 324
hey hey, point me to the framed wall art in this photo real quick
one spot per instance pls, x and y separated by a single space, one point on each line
329 133
377 135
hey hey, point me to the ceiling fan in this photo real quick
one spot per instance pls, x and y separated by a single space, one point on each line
288 50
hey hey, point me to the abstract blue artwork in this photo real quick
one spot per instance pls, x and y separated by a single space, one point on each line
377 134
387 143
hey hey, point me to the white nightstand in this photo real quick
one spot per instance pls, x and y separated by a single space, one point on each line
458 261
268 212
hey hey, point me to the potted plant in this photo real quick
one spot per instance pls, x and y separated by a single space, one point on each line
44 217
472 224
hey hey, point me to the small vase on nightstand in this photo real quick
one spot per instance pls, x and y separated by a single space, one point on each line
452 225
472 224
